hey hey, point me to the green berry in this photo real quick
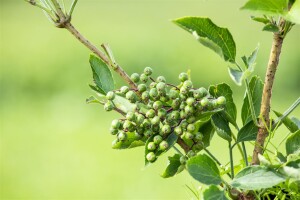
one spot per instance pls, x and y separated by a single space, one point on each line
127 125
122 135
150 113
191 153
151 157
153 93
183 160
151 146
178 130
184 90
113 131
152 85
175 104
161 86
115 124
142 88
157 105
184 125
155 120
144 78
140 119
155 128
203 92
130 116
191 127
160 79
148 71
183 77
211 105
146 124
191 119
204 102
135 77
196 94
161 113
188 135
110 95
124 89
188 84
108 106
197 147
221 100
182 105
199 136
164 98
148 133
145 95
166 129
183 115
175 115
130 95
157 139
163 145
190 101
173 94
189 109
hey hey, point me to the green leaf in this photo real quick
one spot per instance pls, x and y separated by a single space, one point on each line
256 88
292 144
208 131
101 74
171 140
172 168
129 143
271 28
204 169
294 13
294 185
261 19
221 126
210 35
291 125
257 177
247 132
236 75
93 99
123 104
296 121
239 76
224 90
214 193
207 114
267 7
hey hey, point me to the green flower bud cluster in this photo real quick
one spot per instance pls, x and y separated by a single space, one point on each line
162 109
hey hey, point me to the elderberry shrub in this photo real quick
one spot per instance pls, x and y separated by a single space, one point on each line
162 109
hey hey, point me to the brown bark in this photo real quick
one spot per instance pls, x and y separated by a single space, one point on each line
264 121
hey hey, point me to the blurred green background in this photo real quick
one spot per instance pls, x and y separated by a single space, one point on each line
54 146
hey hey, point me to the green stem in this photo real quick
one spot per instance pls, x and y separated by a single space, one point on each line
177 150
245 153
231 160
72 7
239 146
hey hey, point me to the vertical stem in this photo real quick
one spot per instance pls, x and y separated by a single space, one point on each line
245 154
266 96
231 160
